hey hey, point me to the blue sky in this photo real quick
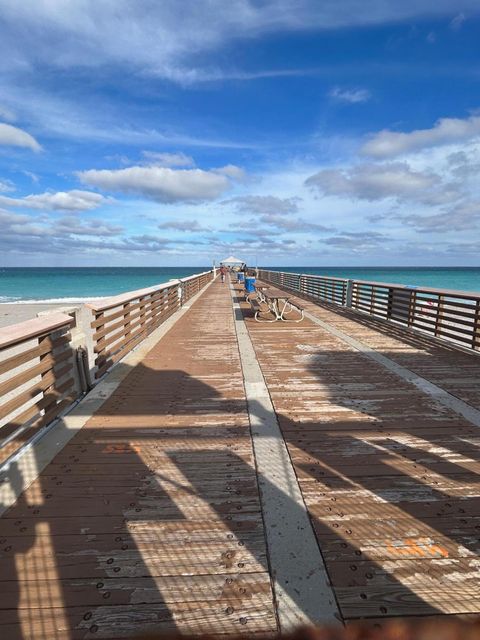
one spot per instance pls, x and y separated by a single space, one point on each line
292 132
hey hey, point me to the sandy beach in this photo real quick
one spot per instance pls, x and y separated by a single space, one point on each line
13 313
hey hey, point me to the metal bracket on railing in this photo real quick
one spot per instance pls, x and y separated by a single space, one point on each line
83 370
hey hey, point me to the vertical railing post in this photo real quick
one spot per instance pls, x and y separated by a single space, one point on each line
98 347
372 300
476 327
126 318
411 308
145 306
349 293
438 319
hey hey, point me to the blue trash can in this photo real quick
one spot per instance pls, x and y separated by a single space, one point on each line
240 276
249 284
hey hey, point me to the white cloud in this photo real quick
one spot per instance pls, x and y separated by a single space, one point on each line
358 242
167 38
6 186
232 171
104 121
183 225
8 218
168 159
387 144
291 224
7 114
264 204
15 137
464 217
33 176
457 22
71 224
376 182
352 96
159 183
75 200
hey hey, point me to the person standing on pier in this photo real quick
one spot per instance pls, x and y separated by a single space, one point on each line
223 272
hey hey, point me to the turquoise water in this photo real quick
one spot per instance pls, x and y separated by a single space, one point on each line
72 284
62 284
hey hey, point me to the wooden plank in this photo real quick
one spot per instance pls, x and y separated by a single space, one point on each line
124 621
103 557
231 589
238 524
395 600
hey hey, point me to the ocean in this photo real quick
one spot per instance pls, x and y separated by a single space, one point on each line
76 284
52 284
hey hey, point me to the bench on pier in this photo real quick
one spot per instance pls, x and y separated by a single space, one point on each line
277 303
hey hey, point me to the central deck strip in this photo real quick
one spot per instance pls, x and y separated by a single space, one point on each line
389 475
149 519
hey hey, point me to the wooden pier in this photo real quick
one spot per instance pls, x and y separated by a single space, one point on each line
157 514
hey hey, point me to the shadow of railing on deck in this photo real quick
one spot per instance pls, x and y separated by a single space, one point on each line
406 502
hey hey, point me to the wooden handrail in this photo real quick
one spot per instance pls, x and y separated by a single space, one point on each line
30 329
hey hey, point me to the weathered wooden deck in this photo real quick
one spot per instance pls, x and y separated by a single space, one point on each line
151 519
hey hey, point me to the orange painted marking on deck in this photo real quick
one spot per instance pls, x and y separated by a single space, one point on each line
409 547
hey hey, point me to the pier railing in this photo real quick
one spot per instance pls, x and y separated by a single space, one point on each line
46 364
442 313
37 378
121 322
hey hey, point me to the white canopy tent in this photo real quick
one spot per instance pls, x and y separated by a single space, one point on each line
231 262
